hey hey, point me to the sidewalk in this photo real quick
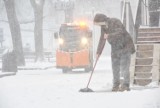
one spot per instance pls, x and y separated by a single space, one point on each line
37 66
29 66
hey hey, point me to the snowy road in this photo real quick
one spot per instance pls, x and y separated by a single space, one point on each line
53 89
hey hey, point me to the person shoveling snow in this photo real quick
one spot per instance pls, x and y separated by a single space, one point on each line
122 47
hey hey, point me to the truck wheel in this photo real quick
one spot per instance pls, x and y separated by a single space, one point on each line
88 69
65 70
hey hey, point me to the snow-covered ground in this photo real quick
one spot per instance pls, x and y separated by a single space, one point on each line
53 89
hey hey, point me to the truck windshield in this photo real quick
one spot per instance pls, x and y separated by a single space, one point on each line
72 37
71 32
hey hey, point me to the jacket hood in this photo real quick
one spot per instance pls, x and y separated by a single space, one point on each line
100 18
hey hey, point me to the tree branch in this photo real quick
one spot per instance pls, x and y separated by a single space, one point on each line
33 3
43 1
22 22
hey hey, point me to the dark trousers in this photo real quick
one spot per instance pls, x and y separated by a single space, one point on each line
121 63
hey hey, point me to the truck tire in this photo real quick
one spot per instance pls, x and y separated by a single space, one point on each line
88 69
65 70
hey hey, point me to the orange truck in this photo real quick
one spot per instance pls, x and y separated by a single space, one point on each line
74 47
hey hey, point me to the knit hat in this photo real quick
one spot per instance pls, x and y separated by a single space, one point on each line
100 18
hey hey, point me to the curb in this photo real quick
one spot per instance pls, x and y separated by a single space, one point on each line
4 74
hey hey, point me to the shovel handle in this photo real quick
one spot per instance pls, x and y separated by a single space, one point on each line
92 71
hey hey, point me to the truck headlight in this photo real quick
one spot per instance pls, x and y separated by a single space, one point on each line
60 41
84 40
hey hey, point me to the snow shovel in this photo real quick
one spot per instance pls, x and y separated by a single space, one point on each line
87 89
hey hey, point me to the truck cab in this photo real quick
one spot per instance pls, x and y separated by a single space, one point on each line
75 47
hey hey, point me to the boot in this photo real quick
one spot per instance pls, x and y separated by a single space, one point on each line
124 88
115 88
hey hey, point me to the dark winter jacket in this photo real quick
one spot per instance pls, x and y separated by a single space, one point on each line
118 37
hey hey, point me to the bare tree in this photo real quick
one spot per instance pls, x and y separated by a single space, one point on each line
15 30
38 29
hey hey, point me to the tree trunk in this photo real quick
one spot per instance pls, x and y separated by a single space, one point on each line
15 31
38 29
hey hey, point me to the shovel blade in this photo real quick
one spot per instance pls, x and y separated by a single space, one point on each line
86 90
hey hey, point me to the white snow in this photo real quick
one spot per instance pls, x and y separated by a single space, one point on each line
53 89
